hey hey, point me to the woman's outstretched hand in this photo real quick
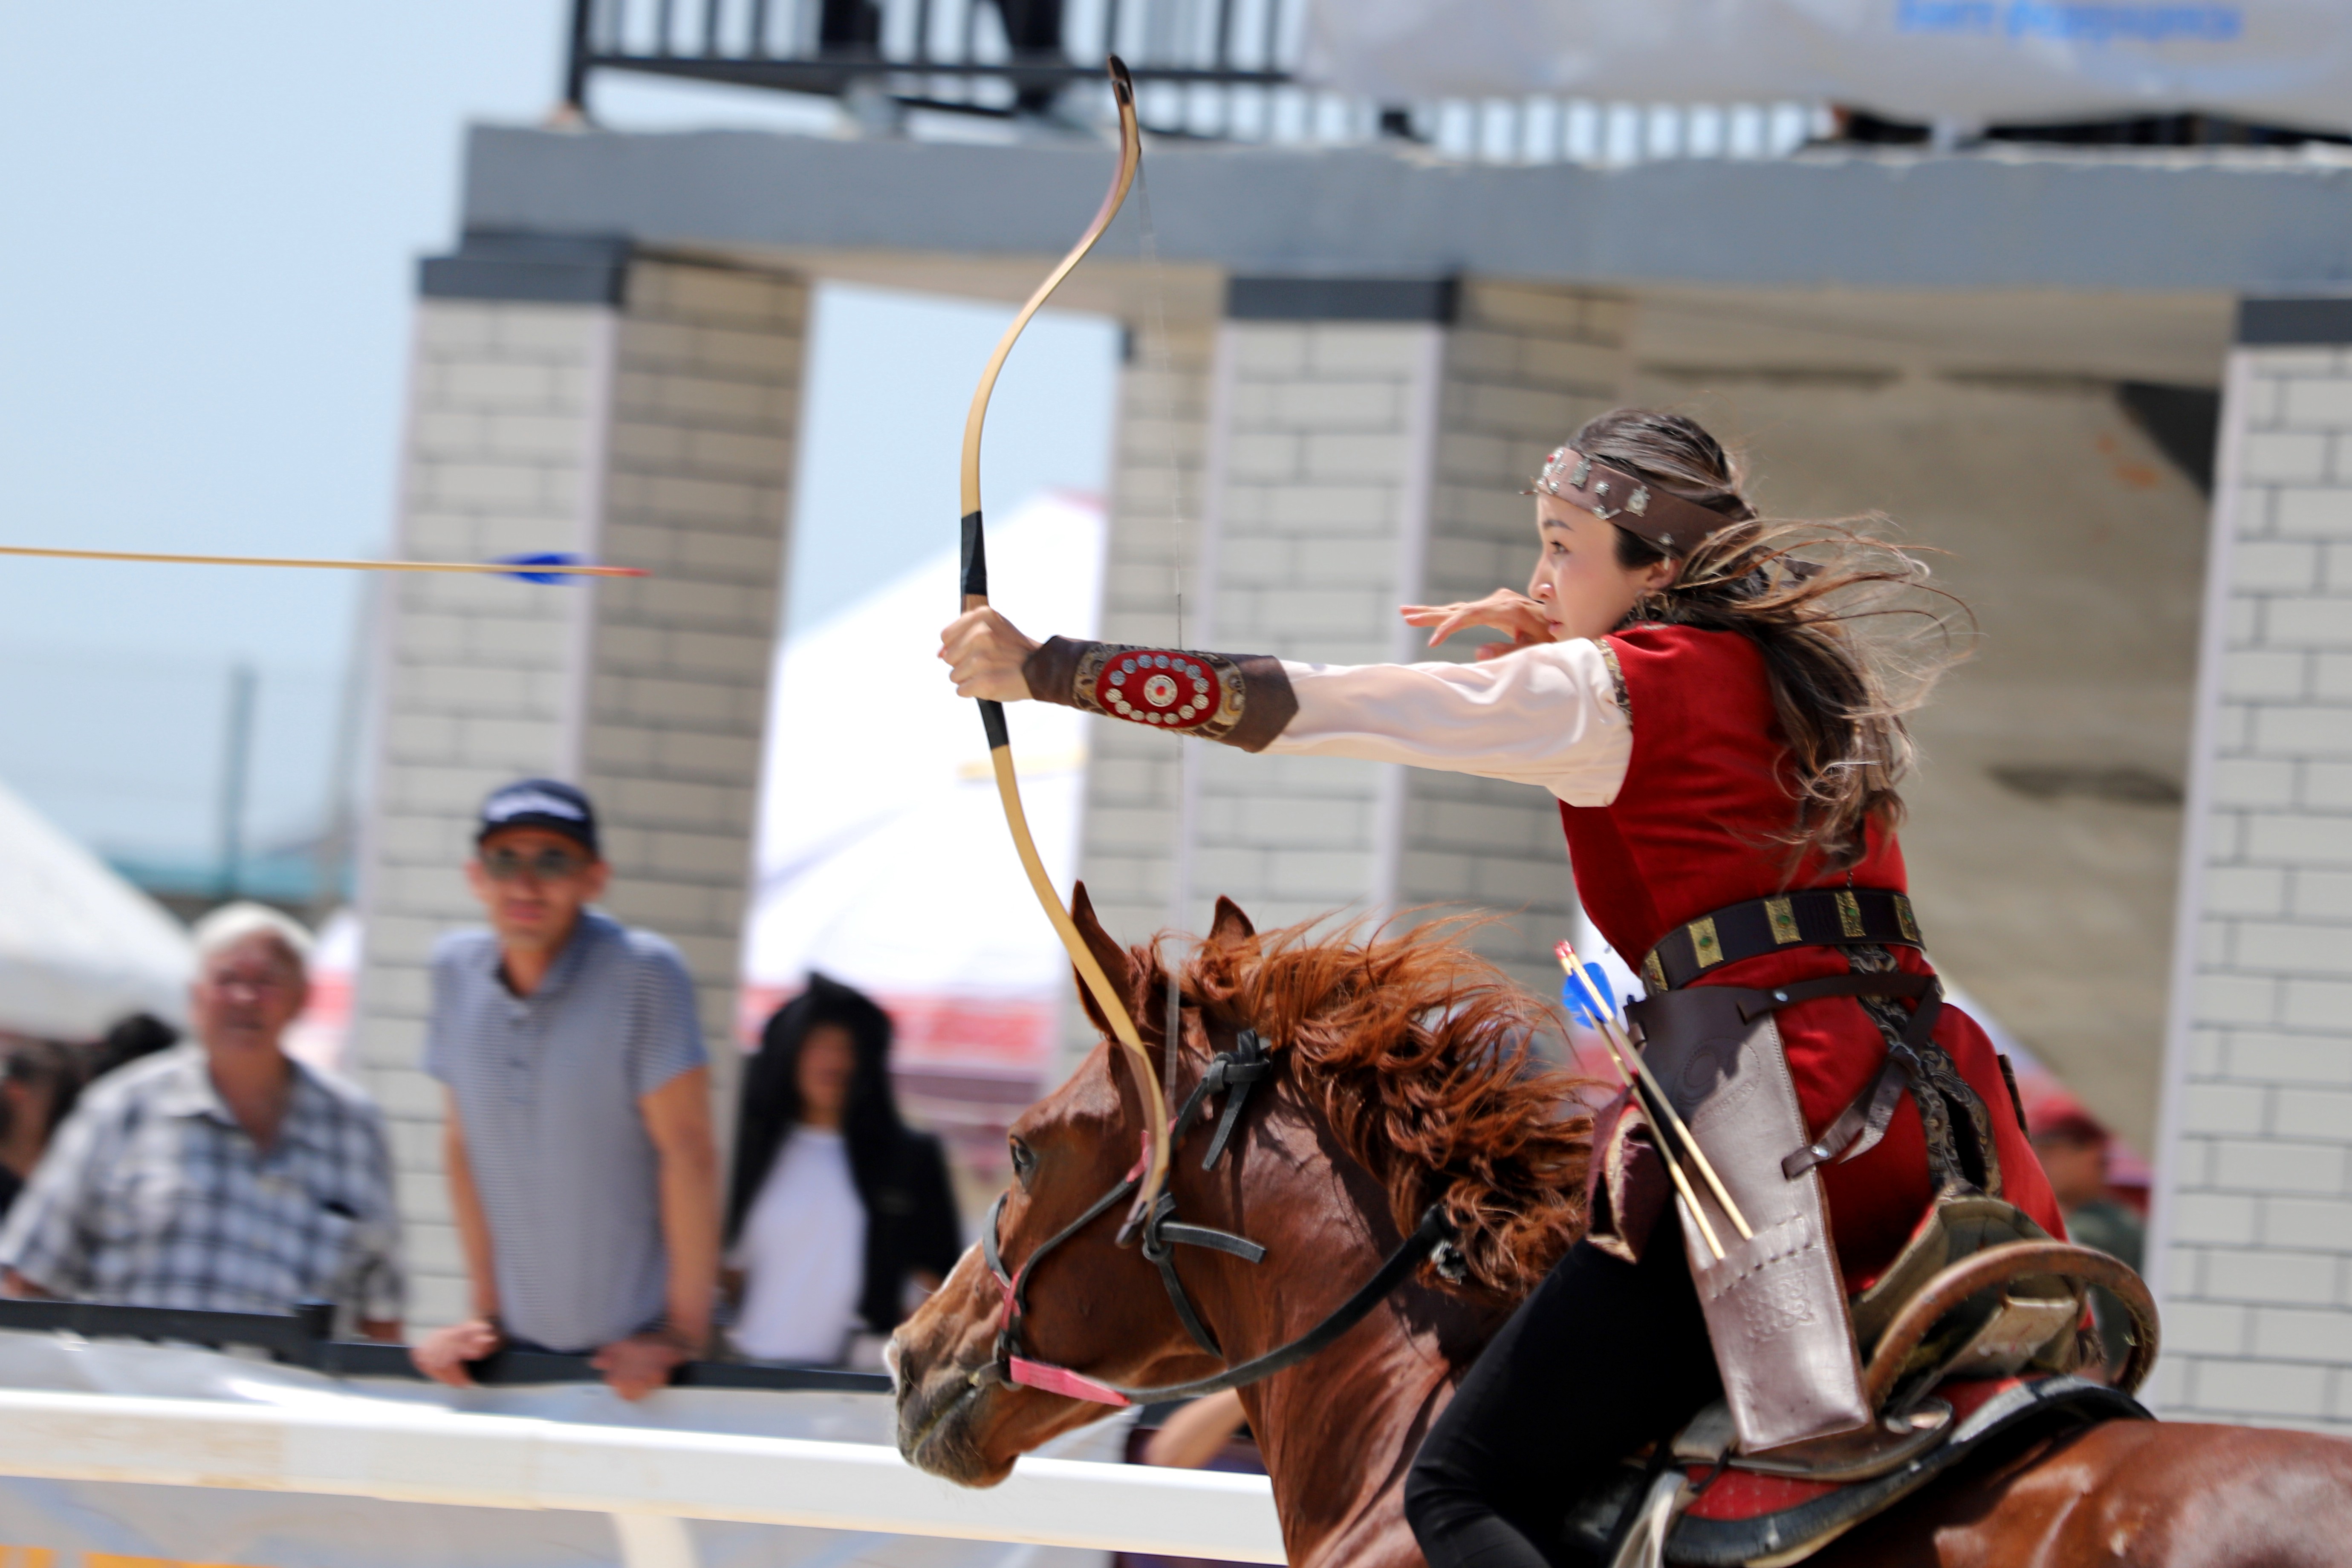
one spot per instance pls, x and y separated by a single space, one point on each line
1524 619
984 653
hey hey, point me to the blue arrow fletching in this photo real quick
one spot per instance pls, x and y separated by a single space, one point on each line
549 558
1588 1005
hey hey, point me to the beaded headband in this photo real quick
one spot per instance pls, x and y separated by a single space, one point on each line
1661 518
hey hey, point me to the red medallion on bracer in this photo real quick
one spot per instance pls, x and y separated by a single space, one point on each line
1169 688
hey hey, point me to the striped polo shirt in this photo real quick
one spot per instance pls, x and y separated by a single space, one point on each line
548 1086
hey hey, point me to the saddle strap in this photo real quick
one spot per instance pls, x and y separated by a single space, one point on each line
1856 1130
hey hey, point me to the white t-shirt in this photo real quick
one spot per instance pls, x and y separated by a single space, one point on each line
802 1251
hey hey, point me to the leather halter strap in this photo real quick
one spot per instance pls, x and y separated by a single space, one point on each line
1232 1073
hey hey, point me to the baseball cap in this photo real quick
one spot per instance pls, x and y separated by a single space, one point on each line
548 804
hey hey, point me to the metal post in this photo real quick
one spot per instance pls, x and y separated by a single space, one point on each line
577 48
236 747
339 830
970 39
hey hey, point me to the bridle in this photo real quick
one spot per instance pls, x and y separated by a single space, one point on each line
1232 1073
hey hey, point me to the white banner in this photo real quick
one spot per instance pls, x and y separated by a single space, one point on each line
2285 62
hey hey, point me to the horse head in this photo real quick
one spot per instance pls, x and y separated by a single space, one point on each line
1396 1079
1097 1306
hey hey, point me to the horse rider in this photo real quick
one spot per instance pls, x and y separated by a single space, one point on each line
1716 701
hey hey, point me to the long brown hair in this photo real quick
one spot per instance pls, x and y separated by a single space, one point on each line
1819 600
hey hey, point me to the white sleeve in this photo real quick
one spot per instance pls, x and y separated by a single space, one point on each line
1549 716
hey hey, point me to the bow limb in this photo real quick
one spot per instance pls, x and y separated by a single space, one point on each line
991 714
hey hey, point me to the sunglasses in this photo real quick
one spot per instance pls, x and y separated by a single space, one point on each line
547 865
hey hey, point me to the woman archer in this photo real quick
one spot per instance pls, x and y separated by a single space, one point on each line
1724 746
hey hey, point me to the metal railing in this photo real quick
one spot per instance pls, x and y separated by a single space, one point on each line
1000 56
1220 70
306 1339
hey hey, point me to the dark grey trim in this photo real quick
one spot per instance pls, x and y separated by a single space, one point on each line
1341 298
553 269
2281 321
2185 423
2231 223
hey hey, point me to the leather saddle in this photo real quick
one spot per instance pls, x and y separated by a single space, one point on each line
1970 1341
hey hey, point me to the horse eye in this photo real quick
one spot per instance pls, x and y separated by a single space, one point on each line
1023 1161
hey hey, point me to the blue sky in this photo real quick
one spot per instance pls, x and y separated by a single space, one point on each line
213 214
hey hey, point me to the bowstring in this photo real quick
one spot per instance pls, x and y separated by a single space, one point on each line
1161 367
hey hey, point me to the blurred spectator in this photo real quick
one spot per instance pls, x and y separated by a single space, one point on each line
140 1034
39 1082
2074 1149
220 1175
836 1202
578 1137
1196 1432
1210 1433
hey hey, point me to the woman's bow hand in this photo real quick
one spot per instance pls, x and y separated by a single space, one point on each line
984 654
1514 614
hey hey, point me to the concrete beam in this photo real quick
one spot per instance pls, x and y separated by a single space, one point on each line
2240 222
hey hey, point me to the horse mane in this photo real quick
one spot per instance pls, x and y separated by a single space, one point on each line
1421 1056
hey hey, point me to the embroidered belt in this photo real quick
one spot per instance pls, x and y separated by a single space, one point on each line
1822 917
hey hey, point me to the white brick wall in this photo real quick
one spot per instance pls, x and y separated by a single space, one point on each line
1323 499
658 437
2255 1223
704 411
1523 367
1157 494
1155 504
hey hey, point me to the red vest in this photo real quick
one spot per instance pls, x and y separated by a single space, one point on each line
1692 830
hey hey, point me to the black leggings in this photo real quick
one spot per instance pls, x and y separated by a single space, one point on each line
1605 1356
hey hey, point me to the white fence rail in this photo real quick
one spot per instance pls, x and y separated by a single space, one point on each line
644 1477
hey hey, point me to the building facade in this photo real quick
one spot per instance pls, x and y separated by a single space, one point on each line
1344 368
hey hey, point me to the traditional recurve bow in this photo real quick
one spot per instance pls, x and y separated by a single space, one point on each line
991 714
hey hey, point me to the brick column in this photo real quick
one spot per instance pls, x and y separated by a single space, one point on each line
1523 367
2250 1250
573 395
1329 398
1154 531
1364 442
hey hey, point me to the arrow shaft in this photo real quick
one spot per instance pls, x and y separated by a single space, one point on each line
489 568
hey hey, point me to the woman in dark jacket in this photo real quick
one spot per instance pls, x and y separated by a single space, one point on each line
836 1204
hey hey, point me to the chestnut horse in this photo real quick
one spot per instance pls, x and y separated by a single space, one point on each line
1403 1079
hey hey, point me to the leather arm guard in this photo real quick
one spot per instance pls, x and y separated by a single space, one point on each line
1241 699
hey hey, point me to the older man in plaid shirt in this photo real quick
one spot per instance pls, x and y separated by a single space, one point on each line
222 1175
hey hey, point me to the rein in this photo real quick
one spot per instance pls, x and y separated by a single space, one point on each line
1232 1073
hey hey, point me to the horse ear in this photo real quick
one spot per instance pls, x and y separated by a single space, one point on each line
1116 964
1230 924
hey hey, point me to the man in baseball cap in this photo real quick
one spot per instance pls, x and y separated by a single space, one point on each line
582 1170
548 804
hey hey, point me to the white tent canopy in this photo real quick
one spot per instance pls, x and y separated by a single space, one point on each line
883 858
79 947
1971 61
